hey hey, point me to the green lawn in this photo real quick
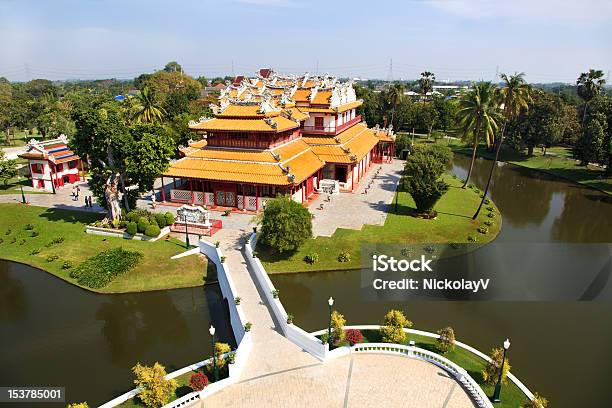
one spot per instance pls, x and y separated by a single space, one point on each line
511 395
453 225
12 186
590 176
155 271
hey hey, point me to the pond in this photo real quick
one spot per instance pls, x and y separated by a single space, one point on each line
559 346
56 334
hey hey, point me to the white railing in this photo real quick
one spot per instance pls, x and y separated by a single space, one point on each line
303 339
460 374
512 377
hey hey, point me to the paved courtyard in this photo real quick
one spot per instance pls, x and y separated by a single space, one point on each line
354 210
366 380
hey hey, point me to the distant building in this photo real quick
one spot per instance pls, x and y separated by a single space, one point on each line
210 90
52 164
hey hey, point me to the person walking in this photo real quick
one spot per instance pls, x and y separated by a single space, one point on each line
87 203
78 191
73 193
153 200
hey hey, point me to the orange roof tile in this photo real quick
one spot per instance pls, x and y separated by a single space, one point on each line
322 98
245 111
301 95
247 125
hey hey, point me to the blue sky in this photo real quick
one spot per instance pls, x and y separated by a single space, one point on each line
550 40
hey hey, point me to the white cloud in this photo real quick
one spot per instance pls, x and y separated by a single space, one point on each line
544 11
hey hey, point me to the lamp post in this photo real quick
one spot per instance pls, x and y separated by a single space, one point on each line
23 199
501 371
212 337
187 237
330 302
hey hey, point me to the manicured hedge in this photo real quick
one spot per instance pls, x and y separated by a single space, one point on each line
143 223
99 270
132 228
160 219
152 231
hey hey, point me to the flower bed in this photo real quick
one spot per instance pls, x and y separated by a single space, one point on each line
137 224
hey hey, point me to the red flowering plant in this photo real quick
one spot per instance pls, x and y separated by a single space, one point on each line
353 336
198 381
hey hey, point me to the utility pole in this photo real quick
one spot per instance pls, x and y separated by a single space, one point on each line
390 73
233 68
496 73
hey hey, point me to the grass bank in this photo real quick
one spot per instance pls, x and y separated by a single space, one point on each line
454 224
557 162
512 396
155 271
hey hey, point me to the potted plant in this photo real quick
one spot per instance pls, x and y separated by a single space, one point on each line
289 318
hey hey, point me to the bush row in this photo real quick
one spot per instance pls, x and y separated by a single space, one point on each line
99 270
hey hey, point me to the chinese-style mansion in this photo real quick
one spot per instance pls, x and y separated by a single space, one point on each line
276 134
52 164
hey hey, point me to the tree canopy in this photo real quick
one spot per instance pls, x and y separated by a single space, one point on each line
285 224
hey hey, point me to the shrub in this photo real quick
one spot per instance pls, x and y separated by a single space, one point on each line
55 241
344 256
487 201
198 381
22 241
392 330
52 257
289 318
285 225
311 258
483 230
227 213
446 341
491 370
491 215
220 350
537 402
13 240
29 227
231 357
490 208
247 326
422 181
8 232
156 390
1 240
34 234
353 336
471 238
115 224
143 223
325 338
217 243
67 265
237 300
152 231
132 228
123 224
337 324
223 259
99 270
160 219
35 251
78 405
169 218
488 223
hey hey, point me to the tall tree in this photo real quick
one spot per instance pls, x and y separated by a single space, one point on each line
514 96
8 168
589 85
426 83
478 117
146 109
122 158
395 95
173 66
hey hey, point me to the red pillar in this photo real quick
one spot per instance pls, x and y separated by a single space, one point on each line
191 189
352 178
303 192
163 190
174 181
256 197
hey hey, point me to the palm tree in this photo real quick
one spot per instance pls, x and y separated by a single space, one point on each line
514 96
395 95
145 109
590 84
426 83
478 117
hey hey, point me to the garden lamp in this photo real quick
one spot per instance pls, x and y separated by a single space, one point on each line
212 336
497 392
330 302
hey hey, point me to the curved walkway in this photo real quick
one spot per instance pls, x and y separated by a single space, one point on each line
350 381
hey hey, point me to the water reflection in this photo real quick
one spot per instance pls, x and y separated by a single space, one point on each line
13 306
131 325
